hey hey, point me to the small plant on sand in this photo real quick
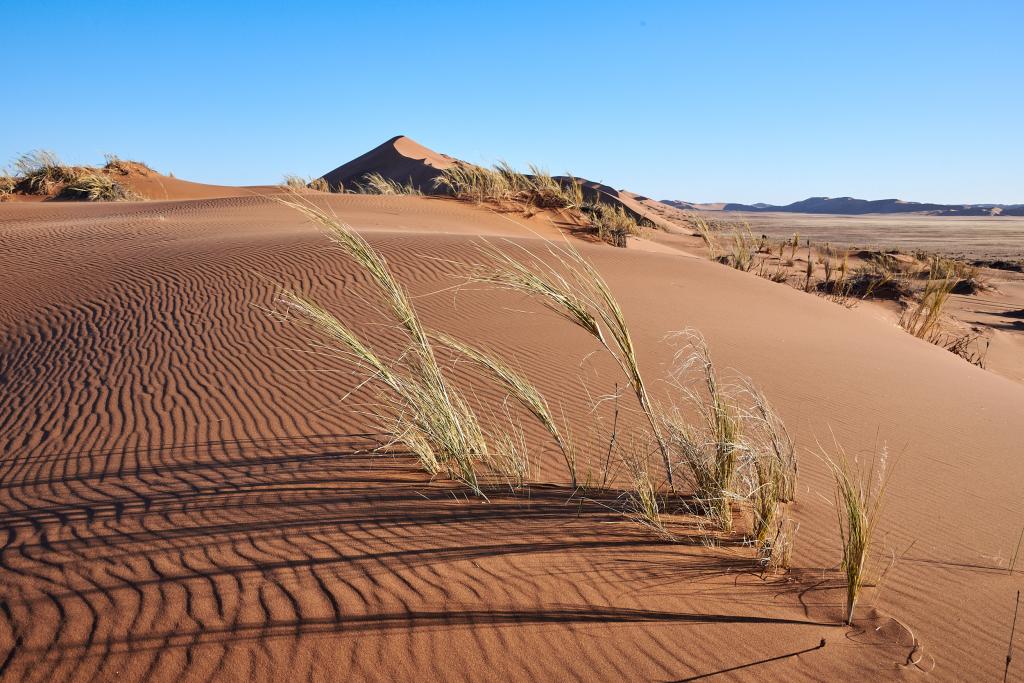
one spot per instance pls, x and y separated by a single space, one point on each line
97 187
502 183
294 182
707 233
581 296
711 450
642 501
42 172
421 408
741 249
859 497
320 185
612 223
7 184
523 391
375 183
922 320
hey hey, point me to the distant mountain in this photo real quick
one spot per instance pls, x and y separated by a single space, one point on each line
851 206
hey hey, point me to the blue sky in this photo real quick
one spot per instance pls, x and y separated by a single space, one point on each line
705 101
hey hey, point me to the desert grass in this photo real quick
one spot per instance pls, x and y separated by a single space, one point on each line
612 223
115 164
742 249
642 502
501 183
424 410
710 451
320 185
776 552
858 498
7 185
520 388
583 297
375 183
707 233
97 187
42 172
922 320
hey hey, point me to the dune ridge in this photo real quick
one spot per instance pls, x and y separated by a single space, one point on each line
183 496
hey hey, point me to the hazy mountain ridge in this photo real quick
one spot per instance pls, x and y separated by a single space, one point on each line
853 206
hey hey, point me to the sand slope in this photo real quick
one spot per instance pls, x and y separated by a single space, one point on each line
183 496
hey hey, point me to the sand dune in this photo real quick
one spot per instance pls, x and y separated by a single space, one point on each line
400 159
184 497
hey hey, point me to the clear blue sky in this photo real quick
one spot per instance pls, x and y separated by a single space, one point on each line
705 101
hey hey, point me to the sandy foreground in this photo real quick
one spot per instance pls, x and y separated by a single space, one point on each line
185 496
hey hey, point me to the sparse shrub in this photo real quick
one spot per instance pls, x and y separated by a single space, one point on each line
97 187
7 184
741 249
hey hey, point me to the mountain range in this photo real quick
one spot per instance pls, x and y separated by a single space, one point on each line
853 206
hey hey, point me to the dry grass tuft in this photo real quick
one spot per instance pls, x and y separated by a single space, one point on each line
42 172
642 503
375 183
422 409
97 187
582 297
523 391
502 183
922 320
710 451
859 496
612 223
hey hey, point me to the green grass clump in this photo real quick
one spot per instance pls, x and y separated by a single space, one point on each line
97 187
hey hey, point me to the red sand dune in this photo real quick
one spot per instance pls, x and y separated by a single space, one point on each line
185 498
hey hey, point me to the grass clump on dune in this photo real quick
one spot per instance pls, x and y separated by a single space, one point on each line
613 224
709 451
582 297
375 183
41 172
524 392
922 320
97 187
502 183
422 409
859 497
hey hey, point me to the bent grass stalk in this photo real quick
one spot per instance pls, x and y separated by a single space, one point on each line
582 297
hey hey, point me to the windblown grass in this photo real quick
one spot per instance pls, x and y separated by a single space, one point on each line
859 497
502 183
742 248
7 184
643 503
42 172
709 451
922 320
707 233
523 391
97 187
423 410
375 183
612 223
582 297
